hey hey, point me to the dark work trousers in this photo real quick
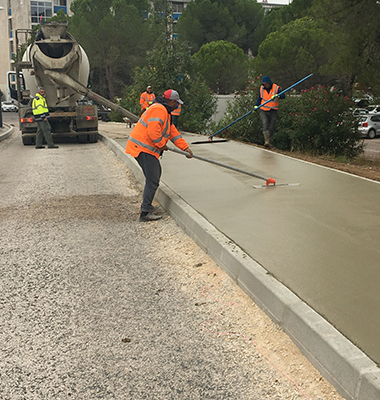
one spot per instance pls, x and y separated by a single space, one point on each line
175 119
268 118
152 171
44 131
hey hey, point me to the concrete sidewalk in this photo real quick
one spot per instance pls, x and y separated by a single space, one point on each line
299 251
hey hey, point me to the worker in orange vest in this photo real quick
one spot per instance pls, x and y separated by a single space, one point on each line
146 99
268 113
147 142
175 115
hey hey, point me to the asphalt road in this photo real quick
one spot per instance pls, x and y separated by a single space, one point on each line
372 149
95 305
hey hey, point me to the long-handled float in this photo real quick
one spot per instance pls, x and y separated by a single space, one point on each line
210 138
268 181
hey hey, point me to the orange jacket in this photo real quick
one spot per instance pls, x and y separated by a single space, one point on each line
146 100
177 111
152 132
265 96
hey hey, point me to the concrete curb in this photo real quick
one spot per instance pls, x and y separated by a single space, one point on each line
8 132
353 374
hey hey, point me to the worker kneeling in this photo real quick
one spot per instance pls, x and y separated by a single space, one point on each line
147 142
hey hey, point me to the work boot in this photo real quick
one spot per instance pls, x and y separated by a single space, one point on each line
40 147
267 139
145 217
53 146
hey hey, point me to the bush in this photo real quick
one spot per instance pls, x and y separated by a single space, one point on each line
247 129
317 121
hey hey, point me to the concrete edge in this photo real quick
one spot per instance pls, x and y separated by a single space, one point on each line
346 367
7 133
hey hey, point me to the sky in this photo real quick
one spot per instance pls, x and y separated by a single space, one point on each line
276 1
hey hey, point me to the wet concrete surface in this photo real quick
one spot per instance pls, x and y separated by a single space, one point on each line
320 238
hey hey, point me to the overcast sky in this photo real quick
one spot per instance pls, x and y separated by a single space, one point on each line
276 1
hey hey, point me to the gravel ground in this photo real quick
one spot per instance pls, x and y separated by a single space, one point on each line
95 305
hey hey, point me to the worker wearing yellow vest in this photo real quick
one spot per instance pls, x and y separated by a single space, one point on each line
268 113
147 142
41 114
175 115
146 99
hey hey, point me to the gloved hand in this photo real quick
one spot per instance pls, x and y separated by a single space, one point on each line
273 97
188 150
255 108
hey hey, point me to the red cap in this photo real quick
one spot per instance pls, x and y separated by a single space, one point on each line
172 95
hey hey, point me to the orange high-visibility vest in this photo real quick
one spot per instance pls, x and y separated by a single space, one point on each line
177 111
146 100
152 132
265 96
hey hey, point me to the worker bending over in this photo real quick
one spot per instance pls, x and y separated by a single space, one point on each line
147 142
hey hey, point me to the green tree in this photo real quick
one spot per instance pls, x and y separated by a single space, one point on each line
355 26
114 36
279 16
205 21
61 16
170 66
296 50
223 65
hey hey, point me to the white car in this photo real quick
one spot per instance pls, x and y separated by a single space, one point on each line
369 126
8 106
374 109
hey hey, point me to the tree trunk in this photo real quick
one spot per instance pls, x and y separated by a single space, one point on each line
109 76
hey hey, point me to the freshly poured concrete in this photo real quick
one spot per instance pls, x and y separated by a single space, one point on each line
320 239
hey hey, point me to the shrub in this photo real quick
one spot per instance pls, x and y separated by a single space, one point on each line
317 121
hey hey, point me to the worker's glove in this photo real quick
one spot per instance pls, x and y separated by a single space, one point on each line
188 150
255 108
273 97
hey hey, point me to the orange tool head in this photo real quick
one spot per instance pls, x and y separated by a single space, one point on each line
270 181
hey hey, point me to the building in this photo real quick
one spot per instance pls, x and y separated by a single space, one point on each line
22 15
269 5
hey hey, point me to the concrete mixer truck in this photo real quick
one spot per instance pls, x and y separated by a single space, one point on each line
55 61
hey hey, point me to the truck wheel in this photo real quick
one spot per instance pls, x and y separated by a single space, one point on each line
82 138
93 138
27 140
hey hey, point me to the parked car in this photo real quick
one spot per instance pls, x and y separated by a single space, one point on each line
8 106
102 111
359 111
369 125
373 109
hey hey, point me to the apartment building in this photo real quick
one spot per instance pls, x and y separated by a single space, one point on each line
22 15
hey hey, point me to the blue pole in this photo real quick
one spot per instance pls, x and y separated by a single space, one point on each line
250 112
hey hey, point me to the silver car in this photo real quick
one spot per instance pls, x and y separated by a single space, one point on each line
369 125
